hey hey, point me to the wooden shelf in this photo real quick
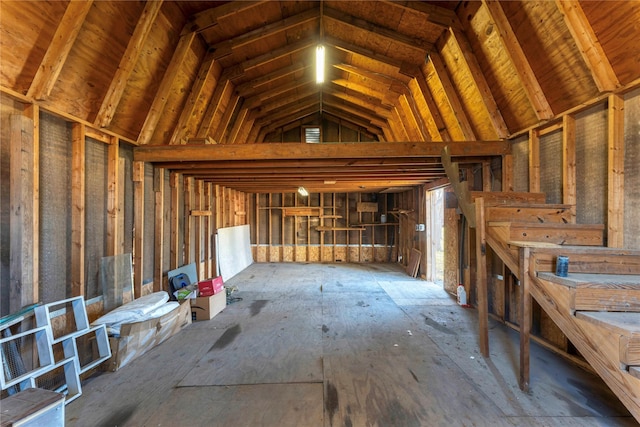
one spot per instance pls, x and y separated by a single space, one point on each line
327 228
374 224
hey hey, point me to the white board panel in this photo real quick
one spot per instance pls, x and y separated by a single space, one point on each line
234 250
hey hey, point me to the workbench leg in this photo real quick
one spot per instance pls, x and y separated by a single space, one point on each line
525 317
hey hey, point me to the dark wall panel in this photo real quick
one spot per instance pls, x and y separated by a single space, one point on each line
551 166
96 188
632 170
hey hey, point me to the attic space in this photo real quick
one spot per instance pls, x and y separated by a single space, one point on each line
457 195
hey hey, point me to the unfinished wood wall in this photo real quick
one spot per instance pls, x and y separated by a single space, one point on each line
71 197
333 227
589 159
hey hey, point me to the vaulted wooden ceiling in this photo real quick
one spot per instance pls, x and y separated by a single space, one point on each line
207 74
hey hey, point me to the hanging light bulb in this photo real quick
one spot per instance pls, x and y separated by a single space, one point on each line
303 191
319 64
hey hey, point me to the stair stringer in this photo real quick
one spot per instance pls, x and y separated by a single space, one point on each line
596 344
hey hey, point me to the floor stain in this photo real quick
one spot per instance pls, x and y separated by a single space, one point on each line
227 338
331 401
397 415
325 328
257 306
362 304
438 326
120 418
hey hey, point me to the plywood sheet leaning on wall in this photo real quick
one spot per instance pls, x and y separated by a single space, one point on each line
234 250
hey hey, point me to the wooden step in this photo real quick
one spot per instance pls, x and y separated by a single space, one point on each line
492 198
635 371
560 234
583 259
626 325
600 292
541 213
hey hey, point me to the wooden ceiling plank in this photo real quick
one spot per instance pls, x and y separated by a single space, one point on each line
352 109
375 106
223 123
243 134
440 71
261 98
286 101
588 45
204 75
434 14
210 17
127 63
360 150
359 24
521 64
414 117
248 88
477 76
366 53
292 109
277 54
159 101
397 126
367 91
58 50
221 91
283 119
237 125
350 116
226 47
435 126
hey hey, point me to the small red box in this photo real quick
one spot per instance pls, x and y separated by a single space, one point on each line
210 287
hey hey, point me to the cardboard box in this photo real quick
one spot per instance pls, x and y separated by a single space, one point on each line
205 308
210 286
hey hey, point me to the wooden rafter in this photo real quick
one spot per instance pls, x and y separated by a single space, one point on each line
160 100
433 14
477 77
207 73
222 91
210 17
588 45
58 50
519 60
127 63
230 108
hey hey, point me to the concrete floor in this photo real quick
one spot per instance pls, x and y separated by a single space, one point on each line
342 345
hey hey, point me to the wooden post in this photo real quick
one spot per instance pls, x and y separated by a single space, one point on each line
615 181
78 209
525 316
158 253
198 190
188 183
22 289
138 227
481 276
207 231
534 161
175 210
569 163
113 212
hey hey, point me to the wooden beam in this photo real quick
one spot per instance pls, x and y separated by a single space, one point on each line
162 95
113 198
534 161
221 130
198 193
525 314
588 45
22 195
78 209
188 194
138 227
237 125
196 95
248 88
481 278
174 244
460 188
435 125
210 17
477 77
361 150
59 48
32 112
569 195
371 55
127 63
615 178
223 91
452 97
358 24
433 13
413 118
518 58
158 237
226 47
